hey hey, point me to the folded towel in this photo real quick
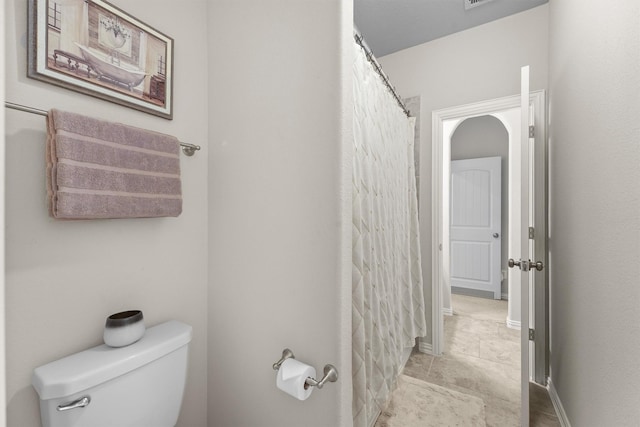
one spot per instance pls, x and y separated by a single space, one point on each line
99 169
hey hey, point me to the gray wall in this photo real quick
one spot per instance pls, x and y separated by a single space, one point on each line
260 259
486 136
479 64
594 238
279 203
64 278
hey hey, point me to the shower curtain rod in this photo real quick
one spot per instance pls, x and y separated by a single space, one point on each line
188 149
376 66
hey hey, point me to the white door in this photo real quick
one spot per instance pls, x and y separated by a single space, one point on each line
530 209
533 303
476 224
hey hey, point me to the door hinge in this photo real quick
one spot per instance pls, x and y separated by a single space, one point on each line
532 334
532 233
532 131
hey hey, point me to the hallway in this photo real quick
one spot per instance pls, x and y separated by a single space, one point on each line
482 360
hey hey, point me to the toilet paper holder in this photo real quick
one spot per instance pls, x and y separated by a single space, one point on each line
330 371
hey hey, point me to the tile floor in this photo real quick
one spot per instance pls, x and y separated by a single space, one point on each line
482 359
418 403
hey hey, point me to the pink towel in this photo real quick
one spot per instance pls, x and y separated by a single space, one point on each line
99 169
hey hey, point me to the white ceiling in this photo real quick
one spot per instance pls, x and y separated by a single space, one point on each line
392 25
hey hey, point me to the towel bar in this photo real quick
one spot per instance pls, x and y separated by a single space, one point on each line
187 149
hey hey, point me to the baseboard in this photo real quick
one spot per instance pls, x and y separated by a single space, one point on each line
447 311
471 292
555 399
513 324
425 347
505 296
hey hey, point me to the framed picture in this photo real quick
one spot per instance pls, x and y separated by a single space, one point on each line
93 47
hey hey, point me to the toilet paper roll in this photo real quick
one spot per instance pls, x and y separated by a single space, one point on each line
291 378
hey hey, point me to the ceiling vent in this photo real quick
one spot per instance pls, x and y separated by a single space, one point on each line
470 4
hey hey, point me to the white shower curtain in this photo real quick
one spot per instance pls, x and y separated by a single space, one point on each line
388 303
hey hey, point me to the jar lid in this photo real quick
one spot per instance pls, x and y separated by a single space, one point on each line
124 318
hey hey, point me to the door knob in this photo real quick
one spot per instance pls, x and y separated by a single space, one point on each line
526 265
496 235
537 265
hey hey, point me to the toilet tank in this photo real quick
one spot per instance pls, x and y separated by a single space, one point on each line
138 385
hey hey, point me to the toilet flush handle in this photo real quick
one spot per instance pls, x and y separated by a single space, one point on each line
80 403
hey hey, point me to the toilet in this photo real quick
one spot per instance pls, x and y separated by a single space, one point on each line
134 386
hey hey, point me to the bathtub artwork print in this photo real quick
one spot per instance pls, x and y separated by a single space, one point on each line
93 47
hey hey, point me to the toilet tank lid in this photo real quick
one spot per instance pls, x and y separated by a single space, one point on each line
88 368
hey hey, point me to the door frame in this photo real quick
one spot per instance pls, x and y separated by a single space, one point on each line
3 410
440 150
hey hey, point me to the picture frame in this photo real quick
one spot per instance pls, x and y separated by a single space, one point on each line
95 48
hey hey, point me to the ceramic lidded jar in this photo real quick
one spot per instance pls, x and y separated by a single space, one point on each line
124 328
